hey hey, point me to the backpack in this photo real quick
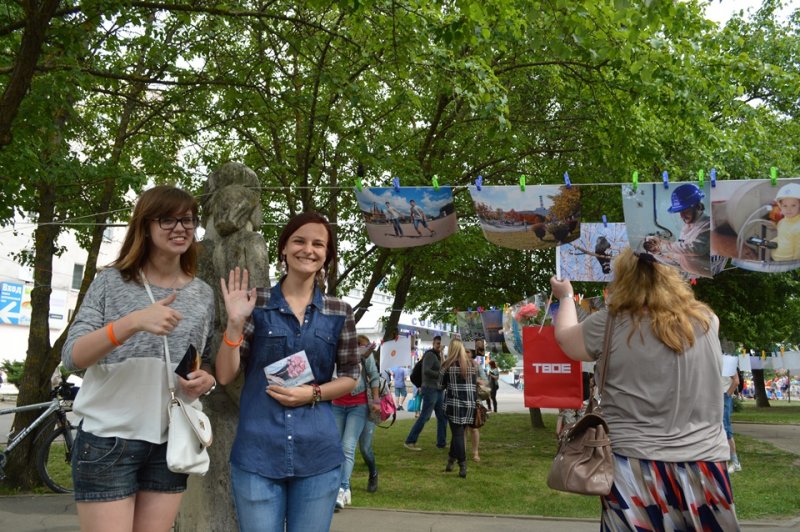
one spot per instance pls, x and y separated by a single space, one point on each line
416 373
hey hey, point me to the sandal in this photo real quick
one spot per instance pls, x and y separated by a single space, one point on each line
476 458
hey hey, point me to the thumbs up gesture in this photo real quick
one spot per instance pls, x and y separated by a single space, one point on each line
159 318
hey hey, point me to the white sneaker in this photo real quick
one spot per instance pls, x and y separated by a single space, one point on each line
737 466
340 499
348 500
732 468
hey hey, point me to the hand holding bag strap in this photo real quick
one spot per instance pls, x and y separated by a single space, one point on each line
170 378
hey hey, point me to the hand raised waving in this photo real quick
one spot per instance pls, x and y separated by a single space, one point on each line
239 301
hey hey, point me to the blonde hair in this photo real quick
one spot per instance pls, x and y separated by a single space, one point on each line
363 338
457 354
644 287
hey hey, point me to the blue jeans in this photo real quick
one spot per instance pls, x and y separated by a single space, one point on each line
350 421
727 403
365 446
432 399
295 504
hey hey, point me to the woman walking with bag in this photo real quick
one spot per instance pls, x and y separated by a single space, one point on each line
119 465
287 456
458 379
351 412
660 398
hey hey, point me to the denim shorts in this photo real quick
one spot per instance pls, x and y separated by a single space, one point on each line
400 391
109 469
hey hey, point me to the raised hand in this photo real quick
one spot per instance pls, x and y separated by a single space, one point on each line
159 318
239 301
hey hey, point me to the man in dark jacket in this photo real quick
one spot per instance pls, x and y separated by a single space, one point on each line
432 398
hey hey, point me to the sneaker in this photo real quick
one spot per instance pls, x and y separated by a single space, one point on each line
737 466
412 447
731 468
348 500
372 483
399 408
340 499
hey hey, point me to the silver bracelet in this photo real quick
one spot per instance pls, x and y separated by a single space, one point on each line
570 296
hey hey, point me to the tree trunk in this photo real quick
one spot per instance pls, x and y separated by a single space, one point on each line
400 296
537 422
760 392
38 17
34 386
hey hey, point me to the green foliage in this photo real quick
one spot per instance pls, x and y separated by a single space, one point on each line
13 370
505 361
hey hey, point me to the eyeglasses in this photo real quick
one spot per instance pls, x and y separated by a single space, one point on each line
169 222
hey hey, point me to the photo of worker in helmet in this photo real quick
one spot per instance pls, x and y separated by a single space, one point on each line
691 252
788 227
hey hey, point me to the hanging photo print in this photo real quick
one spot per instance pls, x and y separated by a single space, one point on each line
589 257
537 218
396 353
521 314
492 326
757 224
672 225
470 325
409 216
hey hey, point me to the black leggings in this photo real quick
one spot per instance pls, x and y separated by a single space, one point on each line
458 449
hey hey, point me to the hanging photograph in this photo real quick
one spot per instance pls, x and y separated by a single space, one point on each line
757 224
539 217
492 325
470 325
408 217
589 257
671 225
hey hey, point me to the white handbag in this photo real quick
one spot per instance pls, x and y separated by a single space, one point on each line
189 434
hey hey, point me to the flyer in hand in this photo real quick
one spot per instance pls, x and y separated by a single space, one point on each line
293 370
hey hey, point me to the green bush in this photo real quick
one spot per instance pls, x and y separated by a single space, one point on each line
738 403
505 361
13 370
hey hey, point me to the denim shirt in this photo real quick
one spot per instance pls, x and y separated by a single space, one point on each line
279 442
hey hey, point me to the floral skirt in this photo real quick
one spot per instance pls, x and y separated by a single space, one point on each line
649 495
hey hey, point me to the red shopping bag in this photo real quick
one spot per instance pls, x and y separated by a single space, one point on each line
552 380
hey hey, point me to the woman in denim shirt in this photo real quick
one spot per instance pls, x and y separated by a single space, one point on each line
351 413
287 457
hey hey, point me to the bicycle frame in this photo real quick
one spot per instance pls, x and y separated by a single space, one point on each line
52 406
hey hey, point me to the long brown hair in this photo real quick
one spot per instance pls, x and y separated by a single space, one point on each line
163 200
643 287
457 354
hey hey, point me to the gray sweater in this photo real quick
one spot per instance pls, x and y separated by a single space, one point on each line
431 363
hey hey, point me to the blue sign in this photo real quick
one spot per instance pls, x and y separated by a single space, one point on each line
10 302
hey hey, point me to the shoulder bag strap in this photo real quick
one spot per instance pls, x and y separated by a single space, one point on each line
170 378
595 395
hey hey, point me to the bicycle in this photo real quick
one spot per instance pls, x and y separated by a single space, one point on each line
54 448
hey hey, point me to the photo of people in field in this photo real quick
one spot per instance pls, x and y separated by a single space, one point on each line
539 217
757 223
408 217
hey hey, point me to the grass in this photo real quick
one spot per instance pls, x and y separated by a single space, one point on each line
779 412
515 460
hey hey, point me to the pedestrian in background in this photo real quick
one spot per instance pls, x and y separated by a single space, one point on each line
458 379
432 399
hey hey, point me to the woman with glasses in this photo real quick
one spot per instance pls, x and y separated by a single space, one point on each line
119 467
287 456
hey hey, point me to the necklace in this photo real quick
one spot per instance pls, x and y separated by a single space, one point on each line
171 285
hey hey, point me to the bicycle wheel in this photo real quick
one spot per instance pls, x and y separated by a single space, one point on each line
54 459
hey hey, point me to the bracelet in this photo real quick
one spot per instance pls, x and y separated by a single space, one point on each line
567 296
110 333
213 387
316 394
228 341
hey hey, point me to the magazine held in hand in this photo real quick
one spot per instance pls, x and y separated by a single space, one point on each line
293 370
